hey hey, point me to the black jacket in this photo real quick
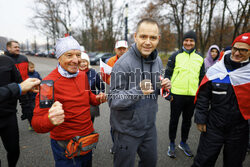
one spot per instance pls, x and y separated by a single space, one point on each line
9 90
21 63
217 102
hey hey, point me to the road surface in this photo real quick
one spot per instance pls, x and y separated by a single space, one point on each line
36 151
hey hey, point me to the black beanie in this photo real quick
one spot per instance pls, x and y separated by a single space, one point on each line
190 34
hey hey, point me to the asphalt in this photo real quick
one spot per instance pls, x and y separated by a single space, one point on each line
36 151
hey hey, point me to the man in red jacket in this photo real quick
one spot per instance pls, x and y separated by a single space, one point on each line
69 116
21 63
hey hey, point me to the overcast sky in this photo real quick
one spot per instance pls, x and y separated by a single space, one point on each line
14 18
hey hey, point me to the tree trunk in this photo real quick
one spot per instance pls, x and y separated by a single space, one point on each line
222 23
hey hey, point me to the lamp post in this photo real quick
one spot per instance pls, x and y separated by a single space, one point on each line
27 45
35 45
48 45
126 22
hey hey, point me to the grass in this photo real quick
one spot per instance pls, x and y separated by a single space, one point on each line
164 58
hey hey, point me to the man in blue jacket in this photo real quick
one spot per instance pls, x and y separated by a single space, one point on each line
133 99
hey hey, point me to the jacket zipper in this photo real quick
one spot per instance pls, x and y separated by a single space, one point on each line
189 73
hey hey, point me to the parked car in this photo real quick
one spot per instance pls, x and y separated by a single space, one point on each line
29 53
103 56
1 52
41 54
51 54
92 54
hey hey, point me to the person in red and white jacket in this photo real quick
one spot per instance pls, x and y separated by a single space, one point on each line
69 116
21 63
223 108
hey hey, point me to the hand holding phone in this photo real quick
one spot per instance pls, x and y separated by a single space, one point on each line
165 86
46 94
56 114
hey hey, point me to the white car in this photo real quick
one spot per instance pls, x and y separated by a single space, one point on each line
1 52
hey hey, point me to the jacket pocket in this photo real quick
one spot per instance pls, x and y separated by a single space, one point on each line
135 121
219 87
219 92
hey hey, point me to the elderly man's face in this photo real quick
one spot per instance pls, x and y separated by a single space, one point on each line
14 48
240 52
69 60
147 38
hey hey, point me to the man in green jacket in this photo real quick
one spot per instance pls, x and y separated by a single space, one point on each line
185 68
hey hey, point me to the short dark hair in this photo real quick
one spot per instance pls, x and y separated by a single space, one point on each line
9 43
147 20
31 63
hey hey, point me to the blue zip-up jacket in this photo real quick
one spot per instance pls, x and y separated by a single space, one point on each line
34 74
95 82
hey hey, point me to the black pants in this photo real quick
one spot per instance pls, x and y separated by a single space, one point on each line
234 139
10 137
249 133
185 105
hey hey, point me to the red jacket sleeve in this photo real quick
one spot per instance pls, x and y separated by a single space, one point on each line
92 99
40 121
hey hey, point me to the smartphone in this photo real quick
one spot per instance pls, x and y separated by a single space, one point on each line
166 92
46 93
158 80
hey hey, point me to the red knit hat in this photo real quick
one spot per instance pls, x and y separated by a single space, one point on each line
245 38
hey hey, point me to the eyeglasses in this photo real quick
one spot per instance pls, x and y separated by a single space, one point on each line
241 50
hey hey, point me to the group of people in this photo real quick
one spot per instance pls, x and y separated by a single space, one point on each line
219 105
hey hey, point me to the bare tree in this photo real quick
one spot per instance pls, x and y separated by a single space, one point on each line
216 32
152 11
177 15
90 31
50 19
65 18
168 40
222 22
102 25
241 14
246 25
106 20
204 16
